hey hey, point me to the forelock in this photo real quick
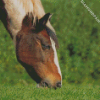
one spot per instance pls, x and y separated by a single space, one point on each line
53 36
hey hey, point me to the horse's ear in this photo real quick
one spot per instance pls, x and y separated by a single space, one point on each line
41 23
45 19
27 21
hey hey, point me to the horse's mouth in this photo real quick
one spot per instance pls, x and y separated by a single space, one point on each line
46 85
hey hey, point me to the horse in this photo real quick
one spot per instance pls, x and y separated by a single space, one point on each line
34 39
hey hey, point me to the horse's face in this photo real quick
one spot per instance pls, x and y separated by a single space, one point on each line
36 51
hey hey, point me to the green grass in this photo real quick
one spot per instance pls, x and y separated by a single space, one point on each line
67 92
79 38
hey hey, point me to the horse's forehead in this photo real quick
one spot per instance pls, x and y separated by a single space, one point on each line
48 34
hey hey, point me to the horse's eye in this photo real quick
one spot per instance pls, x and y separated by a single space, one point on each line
45 46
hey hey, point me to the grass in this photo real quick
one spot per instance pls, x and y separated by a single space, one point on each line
67 92
78 33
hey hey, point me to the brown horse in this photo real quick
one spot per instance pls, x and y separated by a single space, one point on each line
34 38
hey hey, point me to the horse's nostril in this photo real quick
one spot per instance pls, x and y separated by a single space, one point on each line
58 84
45 84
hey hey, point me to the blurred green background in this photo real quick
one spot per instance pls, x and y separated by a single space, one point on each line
79 37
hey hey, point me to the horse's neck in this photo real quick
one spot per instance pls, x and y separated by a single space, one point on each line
16 11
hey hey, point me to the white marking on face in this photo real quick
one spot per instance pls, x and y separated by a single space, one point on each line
55 57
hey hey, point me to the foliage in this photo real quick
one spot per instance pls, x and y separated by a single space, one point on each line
79 37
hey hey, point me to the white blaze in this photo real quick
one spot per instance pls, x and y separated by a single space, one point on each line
55 57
